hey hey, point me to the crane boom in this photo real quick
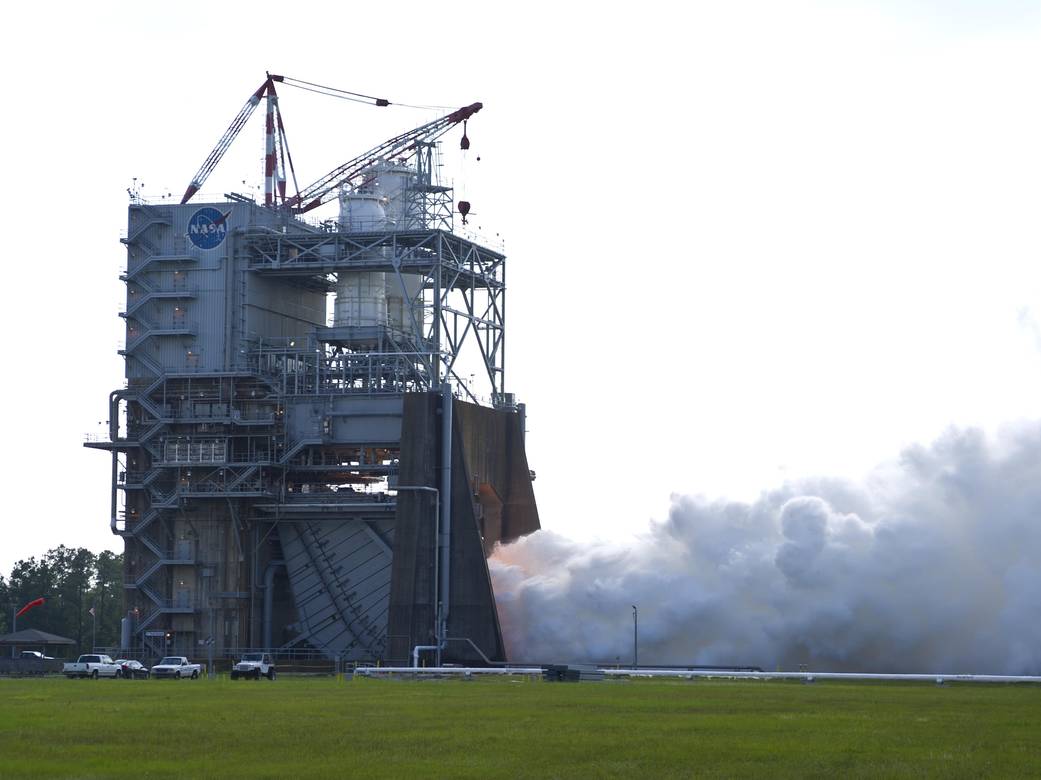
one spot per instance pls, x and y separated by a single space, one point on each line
317 193
226 140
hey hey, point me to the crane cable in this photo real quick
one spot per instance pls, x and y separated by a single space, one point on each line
355 97
283 151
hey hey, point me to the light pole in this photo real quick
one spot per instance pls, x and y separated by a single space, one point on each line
210 641
636 645
437 539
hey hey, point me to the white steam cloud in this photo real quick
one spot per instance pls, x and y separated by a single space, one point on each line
933 564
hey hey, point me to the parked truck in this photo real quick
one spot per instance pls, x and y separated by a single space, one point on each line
93 666
176 666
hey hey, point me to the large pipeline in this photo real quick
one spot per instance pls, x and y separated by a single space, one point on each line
387 671
445 537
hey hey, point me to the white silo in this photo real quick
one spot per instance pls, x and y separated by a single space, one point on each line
395 182
361 298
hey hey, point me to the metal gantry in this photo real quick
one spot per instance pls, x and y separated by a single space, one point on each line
460 303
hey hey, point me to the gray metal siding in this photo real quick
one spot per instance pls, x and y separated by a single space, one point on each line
353 420
340 577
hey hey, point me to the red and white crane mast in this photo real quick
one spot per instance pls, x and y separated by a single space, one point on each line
267 88
351 173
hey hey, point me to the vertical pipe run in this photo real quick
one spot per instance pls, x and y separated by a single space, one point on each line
115 500
446 515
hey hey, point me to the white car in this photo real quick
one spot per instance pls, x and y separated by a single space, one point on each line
176 666
34 655
255 665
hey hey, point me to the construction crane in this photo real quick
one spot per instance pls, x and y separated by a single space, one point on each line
266 89
400 147
351 173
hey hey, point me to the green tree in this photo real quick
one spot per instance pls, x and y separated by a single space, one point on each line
106 597
5 606
72 580
32 579
74 570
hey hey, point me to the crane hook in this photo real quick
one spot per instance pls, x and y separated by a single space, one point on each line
464 209
464 142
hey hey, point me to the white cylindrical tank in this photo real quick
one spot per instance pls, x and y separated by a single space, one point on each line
361 296
391 181
362 211
361 299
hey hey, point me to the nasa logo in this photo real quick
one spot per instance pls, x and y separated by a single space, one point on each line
207 228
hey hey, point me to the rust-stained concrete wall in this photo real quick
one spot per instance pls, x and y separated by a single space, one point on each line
411 613
489 470
493 447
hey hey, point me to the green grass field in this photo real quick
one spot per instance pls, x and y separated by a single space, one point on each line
319 727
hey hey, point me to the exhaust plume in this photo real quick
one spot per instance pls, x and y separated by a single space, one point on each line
931 564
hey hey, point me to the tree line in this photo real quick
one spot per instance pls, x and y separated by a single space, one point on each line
72 581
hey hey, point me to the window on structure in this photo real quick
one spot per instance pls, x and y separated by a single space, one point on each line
176 450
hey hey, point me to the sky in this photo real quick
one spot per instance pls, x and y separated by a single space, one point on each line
748 242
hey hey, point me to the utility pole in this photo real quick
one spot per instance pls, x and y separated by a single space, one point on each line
636 645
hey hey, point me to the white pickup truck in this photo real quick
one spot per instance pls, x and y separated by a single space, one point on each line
93 666
176 666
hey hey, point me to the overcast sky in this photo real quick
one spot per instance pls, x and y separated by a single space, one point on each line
748 241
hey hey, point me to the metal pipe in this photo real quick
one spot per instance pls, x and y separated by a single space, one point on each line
113 523
446 512
466 671
811 676
113 413
473 644
113 435
376 671
415 653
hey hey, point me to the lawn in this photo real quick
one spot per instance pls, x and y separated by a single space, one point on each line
317 727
